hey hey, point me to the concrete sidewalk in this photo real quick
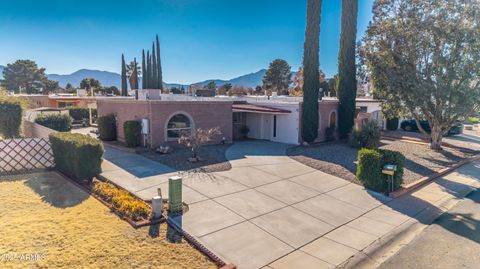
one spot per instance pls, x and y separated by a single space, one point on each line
270 210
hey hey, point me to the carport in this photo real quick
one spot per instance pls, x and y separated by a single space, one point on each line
264 122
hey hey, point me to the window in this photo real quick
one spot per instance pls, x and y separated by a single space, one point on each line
178 125
65 104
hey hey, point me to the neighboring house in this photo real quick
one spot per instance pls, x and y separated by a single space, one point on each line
61 101
372 107
275 119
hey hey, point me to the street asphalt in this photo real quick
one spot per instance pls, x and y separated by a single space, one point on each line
452 241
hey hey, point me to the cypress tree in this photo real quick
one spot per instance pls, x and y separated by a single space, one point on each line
347 81
149 71
154 68
159 67
311 75
124 78
144 71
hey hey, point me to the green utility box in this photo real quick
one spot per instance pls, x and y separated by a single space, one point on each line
175 194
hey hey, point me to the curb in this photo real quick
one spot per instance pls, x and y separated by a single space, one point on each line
387 246
424 180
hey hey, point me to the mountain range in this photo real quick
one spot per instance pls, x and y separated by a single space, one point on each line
113 79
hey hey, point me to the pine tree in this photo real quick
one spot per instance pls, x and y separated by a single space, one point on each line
144 71
347 81
154 68
159 67
124 78
311 66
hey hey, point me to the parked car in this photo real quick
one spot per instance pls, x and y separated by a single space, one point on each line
411 126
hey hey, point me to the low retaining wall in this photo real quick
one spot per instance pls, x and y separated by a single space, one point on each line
35 130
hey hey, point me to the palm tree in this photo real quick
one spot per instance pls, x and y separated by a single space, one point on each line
132 75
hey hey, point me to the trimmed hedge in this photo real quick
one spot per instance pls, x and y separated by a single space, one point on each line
57 122
370 164
79 113
10 117
133 131
107 128
77 156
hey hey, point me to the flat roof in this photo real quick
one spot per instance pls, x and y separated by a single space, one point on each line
245 107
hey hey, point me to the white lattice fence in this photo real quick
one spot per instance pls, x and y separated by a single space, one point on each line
25 154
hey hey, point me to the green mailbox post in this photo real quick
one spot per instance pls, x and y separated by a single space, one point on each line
175 194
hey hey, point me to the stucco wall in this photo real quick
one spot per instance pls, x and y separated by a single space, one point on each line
325 108
261 125
37 101
204 114
35 130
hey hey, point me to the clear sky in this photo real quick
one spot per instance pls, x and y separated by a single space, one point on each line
200 39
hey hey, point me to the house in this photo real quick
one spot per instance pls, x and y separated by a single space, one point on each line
268 118
60 101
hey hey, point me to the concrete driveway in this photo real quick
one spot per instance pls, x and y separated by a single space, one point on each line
270 210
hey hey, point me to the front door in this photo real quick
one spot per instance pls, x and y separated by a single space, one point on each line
267 126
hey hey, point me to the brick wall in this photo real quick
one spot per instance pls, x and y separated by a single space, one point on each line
205 114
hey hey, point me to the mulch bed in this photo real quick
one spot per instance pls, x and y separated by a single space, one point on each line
339 159
212 158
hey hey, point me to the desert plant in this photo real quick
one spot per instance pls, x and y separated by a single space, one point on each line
367 137
330 133
107 127
11 110
244 130
132 130
199 138
57 122
76 155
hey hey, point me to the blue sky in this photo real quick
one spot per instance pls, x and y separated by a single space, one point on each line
200 39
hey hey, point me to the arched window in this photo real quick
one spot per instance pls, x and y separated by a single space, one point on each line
333 119
178 125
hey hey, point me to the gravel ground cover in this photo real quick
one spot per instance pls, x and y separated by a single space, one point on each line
45 215
340 159
469 140
212 158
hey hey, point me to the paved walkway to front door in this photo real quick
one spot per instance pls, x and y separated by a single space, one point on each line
271 211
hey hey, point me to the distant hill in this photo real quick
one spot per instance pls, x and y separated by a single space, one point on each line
249 80
106 78
113 79
1 71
